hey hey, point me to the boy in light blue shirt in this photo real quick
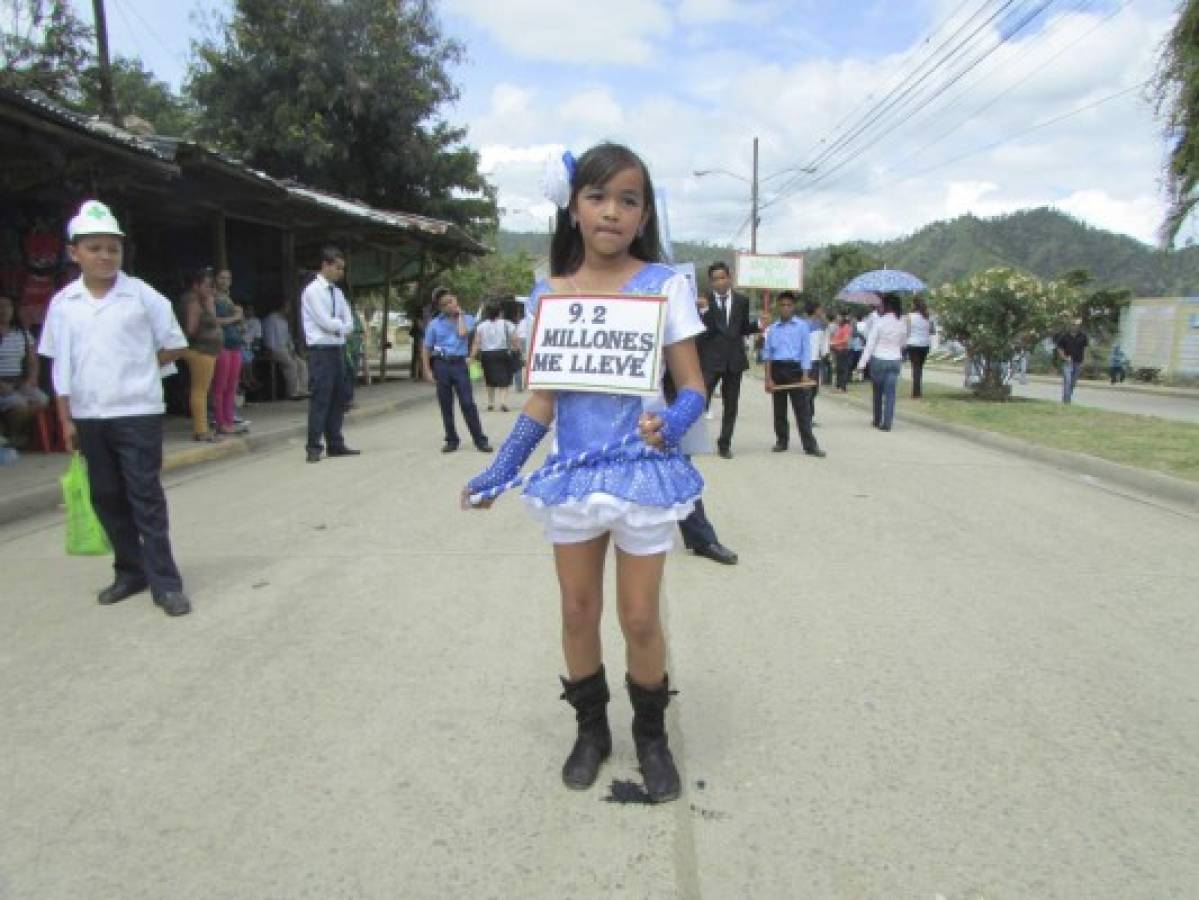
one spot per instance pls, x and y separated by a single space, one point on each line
789 362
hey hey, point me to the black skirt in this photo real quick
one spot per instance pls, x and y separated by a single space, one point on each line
497 368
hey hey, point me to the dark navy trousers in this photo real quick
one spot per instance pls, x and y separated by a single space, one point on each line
453 377
124 465
326 406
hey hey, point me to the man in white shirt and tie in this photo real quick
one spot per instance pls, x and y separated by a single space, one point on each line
326 319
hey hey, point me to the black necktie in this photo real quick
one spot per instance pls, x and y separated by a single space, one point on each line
333 299
722 302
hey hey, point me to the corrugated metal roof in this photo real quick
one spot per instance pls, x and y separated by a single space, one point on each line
39 103
179 152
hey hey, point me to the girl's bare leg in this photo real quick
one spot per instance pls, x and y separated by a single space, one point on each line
581 580
638 584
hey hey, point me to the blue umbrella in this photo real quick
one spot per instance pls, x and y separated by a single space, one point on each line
860 298
884 281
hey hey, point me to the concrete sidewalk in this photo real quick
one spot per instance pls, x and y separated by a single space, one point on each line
31 485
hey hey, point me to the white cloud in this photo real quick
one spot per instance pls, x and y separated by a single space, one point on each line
1102 166
616 32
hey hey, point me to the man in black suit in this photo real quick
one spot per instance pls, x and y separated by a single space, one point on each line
725 315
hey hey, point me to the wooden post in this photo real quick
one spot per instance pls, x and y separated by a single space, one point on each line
108 102
291 293
220 243
388 270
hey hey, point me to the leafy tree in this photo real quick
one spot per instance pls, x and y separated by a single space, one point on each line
140 94
998 314
344 96
43 47
836 266
1176 89
493 276
1099 308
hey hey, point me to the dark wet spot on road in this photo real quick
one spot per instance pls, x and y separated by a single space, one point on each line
627 792
260 584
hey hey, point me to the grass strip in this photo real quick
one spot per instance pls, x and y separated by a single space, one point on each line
1143 441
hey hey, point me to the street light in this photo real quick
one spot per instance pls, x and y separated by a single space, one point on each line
753 197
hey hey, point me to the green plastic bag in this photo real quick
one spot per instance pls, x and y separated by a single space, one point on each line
476 370
85 534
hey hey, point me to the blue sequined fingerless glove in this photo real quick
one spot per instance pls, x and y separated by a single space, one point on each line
681 415
515 452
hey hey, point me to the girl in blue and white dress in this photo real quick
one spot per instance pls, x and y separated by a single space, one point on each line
607 241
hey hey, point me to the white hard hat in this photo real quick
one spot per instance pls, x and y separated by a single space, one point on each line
93 218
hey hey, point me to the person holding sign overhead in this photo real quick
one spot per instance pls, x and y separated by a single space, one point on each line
616 474
725 315
788 355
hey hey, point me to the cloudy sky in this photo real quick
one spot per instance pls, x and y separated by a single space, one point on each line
874 117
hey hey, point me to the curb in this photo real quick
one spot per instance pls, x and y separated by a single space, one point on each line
46 498
1126 388
1144 481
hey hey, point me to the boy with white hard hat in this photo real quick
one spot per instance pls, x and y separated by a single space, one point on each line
108 334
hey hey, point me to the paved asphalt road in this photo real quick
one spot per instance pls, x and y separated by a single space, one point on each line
939 671
1166 406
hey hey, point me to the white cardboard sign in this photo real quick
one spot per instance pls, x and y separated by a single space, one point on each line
609 343
770 273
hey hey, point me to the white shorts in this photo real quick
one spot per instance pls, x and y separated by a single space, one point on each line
636 540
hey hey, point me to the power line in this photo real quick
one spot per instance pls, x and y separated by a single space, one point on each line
1099 24
791 189
854 112
902 91
176 54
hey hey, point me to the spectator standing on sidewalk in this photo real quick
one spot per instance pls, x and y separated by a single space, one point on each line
443 357
818 340
108 334
884 357
277 339
920 339
325 314
1072 351
20 397
494 344
227 374
840 343
1117 364
204 343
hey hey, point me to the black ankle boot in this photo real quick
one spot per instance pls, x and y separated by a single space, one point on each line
649 735
589 696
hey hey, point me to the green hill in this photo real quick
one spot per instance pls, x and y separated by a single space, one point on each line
1044 242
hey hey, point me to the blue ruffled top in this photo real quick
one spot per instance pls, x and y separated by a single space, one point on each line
586 421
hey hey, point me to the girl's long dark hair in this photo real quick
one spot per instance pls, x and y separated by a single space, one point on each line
597 167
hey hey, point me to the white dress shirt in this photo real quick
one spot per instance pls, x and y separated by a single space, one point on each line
105 350
325 314
919 330
887 340
496 335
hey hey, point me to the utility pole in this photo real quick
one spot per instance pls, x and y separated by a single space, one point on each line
108 102
753 226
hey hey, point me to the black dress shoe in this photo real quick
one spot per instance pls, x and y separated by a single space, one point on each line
717 552
448 447
818 453
313 456
725 453
344 451
484 447
779 448
174 603
119 590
